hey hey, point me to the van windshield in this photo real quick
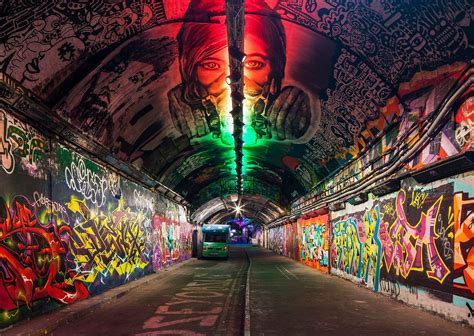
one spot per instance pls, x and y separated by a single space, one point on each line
215 238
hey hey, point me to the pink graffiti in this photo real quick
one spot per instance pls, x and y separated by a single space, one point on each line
406 254
172 241
387 244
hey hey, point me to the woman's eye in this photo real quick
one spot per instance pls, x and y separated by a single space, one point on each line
210 65
254 65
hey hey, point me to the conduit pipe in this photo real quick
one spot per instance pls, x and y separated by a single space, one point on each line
386 171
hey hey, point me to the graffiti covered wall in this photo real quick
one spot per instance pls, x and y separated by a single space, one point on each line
356 247
171 234
313 239
284 240
70 228
276 240
413 245
109 218
33 248
463 249
306 240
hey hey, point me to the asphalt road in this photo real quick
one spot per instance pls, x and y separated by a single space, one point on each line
288 298
207 297
201 298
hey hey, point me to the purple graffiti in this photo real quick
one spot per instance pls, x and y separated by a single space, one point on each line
406 254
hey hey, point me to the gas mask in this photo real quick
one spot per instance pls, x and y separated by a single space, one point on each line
257 106
212 116
259 122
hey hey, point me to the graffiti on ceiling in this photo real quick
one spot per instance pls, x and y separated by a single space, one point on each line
147 79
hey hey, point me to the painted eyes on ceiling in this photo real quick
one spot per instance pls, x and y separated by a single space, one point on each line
210 65
254 65
251 65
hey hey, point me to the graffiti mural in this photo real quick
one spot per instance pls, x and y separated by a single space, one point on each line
276 239
171 234
345 247
70 228
464 234
463 249
371 247
110 236
33 230
403 237
306 240
313 239
87 183
21 145
172 242
106 247
404 249
33 252
33 234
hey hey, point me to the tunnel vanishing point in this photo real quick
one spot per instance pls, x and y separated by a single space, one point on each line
339 134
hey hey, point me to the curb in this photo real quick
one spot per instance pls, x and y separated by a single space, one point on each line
72 312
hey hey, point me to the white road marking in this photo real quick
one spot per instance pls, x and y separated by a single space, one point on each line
282 272
247 299
289 272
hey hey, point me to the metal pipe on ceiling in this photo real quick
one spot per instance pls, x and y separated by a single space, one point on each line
235 38
405 154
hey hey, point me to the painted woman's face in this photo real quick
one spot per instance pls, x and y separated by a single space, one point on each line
256 66
212 71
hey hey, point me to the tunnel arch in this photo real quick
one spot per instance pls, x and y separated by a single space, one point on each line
342 130
366 51
256 207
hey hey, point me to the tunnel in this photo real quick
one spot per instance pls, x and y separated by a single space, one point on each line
334 139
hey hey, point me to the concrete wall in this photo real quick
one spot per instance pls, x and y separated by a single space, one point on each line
71 228
415 245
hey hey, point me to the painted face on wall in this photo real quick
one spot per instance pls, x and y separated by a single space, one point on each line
212 71
94 113
123 82
201 103
256 66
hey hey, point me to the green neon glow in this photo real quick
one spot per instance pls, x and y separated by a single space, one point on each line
249 134
227 126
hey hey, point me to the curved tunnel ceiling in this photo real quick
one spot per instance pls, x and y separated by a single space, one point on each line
221 210
147 80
